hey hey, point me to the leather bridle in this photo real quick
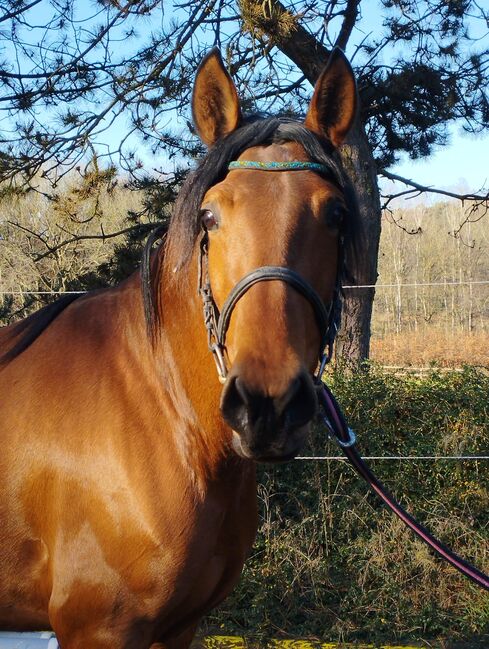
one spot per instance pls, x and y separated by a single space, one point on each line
217 322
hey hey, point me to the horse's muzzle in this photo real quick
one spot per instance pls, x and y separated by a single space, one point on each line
269 428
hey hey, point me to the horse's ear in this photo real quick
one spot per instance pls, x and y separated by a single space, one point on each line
215 104
334 102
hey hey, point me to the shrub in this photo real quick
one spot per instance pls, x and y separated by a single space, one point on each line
331 563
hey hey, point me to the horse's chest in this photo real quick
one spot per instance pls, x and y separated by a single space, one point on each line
196 567
215 546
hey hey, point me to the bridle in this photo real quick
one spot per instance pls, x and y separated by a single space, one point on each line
327 318
217 322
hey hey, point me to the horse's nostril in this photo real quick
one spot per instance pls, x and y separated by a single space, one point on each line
302 403
247 411
251 412
240 388
234 404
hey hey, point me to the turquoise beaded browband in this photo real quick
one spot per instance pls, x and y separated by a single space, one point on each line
295 165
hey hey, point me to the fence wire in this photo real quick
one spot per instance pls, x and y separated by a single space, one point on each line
349 286
323 458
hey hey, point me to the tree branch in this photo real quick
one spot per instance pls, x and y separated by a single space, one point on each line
301 47
146 227
142 227
417 189
350 18
18 12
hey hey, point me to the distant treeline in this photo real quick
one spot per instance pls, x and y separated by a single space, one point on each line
446 245
435 260
67 244
66 241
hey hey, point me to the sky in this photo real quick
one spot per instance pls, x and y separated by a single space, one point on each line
461 165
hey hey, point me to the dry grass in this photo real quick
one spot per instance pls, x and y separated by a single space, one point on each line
431 346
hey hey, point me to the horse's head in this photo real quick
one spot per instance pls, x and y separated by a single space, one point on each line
265 212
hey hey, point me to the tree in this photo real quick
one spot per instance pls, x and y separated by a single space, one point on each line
70 79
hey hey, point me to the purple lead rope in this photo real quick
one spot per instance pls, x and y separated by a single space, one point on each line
346 439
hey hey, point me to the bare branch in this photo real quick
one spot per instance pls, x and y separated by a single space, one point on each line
350 18
19 11
417 189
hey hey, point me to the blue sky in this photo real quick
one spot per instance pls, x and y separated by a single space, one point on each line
461 165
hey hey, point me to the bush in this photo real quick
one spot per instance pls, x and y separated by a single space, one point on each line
330 562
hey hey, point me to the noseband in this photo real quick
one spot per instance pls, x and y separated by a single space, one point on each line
217 322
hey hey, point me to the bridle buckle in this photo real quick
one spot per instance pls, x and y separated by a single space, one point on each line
219 361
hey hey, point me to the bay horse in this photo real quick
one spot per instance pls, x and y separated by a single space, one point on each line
128 492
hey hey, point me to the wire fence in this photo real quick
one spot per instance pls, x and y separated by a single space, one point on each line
323 458
421 284
43 292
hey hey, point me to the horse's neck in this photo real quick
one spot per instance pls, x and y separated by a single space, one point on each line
191 374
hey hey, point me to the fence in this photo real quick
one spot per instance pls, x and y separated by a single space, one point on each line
414 323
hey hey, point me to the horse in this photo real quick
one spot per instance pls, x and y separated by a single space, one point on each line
128 449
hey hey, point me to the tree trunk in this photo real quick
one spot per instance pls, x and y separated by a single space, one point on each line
353 342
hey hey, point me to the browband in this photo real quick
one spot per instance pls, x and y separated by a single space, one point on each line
294 165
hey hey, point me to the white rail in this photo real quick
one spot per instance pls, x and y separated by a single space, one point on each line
41 640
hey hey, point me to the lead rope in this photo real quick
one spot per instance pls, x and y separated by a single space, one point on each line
344 436
331 412
332 417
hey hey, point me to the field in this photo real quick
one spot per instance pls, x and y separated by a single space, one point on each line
431 347
235 642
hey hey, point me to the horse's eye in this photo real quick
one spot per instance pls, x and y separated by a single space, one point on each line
208 219
335 215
